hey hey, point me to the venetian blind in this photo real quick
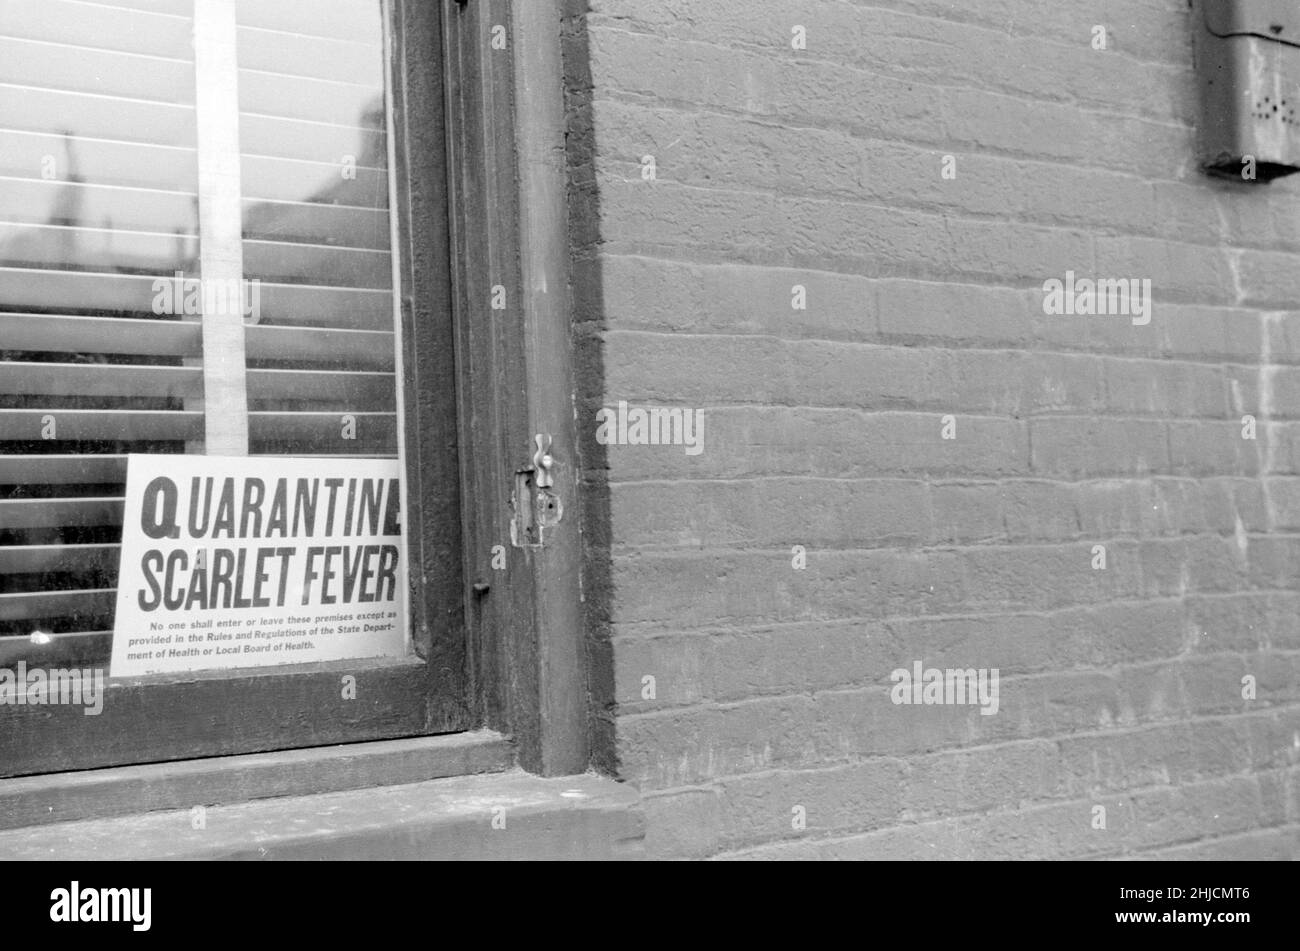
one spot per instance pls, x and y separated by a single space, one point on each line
117 208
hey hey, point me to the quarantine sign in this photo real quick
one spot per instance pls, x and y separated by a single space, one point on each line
258 561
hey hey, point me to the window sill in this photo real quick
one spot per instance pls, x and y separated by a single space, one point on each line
226 780
509 815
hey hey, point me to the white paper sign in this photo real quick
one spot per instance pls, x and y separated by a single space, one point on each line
258 561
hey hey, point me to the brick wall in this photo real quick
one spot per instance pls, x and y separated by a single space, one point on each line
776 167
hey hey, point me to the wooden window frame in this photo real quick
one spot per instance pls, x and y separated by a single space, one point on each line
496 649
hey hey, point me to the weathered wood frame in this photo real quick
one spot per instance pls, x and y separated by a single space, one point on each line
510 229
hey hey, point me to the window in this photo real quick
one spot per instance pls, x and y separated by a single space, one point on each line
207 253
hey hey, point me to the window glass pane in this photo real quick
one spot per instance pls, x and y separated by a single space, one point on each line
149 307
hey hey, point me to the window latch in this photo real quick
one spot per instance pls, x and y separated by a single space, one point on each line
543 460
535 506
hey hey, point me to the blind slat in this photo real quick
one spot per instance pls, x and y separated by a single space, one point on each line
57 513
72 290
44 605
67 559
297 139
371 432
93 249
361 349
70 203
108 380
101 424
364 391
298 304
97 27
311 56
53 333
291 180
27 109
318 264
23 155
339 19
338 307
179 8
313 100
62 470
317 222
56 66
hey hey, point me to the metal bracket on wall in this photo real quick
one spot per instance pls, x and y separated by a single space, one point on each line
535 507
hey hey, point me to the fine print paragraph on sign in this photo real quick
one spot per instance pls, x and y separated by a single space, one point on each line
254 562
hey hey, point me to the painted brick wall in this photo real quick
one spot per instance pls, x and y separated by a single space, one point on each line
821 167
